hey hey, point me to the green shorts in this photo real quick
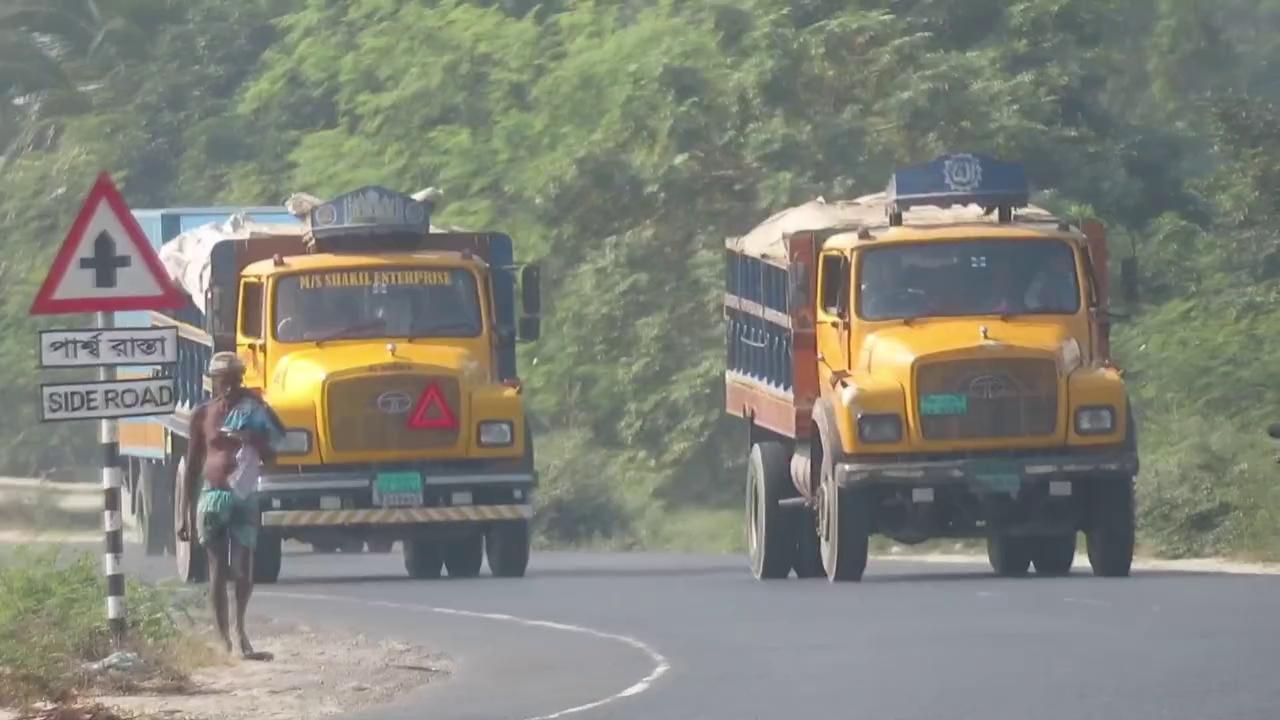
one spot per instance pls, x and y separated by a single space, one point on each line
223 514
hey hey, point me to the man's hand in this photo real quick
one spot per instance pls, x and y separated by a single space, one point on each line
184 531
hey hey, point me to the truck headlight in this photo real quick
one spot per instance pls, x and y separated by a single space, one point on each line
879 428
1098 420
295 442
495 433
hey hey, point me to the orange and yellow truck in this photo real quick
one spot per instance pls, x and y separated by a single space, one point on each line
928 362
388 349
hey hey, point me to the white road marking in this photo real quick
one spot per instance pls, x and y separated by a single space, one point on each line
660 664
1086 601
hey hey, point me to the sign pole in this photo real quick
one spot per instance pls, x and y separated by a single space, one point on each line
106 264
113 519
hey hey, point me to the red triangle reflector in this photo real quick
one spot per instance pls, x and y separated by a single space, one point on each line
432 412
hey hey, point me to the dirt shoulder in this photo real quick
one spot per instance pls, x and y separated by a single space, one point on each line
314 675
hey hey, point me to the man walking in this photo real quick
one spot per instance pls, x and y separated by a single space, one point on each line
231 435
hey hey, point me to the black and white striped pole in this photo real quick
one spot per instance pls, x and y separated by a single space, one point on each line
113 518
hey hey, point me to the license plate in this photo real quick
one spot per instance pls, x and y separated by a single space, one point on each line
935 405
997 476
397 489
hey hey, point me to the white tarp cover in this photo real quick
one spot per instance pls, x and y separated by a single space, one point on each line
188 257
766 240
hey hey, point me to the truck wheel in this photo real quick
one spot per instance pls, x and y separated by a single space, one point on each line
463 558
1110 535
808 561
1053 555
193 565
154 498
1009 556
423 559
267 557
844 531
771 538
507 547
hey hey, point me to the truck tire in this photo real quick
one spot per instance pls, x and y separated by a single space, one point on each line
193 564
507 547
423 559
267 557
808 561
1009 556
154 498
463 558
771 537
1110 535
1053 555
844 530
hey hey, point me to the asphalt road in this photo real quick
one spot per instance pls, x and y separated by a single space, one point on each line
676 637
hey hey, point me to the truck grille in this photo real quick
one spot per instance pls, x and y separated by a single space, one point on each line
1001 399
371 413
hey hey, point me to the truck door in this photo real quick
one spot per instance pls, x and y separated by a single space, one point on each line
833 313
250 343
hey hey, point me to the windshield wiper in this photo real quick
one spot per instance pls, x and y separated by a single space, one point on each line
358 327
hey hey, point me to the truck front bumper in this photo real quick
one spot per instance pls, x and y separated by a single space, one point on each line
330 498
395 516
987 473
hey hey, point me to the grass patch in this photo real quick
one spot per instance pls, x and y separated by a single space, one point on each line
42 511
53 621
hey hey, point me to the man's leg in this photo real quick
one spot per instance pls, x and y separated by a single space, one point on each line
242 564
244 537
216 547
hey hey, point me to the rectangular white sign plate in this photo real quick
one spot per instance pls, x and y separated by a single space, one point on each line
109 399
109 348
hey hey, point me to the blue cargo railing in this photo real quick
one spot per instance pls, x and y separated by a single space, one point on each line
758 328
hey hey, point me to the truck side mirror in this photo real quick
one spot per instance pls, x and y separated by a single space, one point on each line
1129 279
530 328
530 290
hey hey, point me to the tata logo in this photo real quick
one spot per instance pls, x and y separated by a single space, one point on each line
989 387
395 403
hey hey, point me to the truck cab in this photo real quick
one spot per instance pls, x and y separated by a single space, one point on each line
932 361
387 349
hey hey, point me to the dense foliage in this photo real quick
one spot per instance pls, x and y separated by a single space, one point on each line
622 142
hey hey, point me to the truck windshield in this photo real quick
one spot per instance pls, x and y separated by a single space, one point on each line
970 277
376 303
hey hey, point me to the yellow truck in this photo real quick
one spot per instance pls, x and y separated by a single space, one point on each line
388 349
930 362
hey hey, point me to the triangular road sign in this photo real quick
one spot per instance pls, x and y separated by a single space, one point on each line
432 412
105 263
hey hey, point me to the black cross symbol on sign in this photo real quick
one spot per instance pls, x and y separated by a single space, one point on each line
105 262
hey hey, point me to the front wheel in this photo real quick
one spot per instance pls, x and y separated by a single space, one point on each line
153 498
193 565
1110 536
267 557
844 531
507 547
